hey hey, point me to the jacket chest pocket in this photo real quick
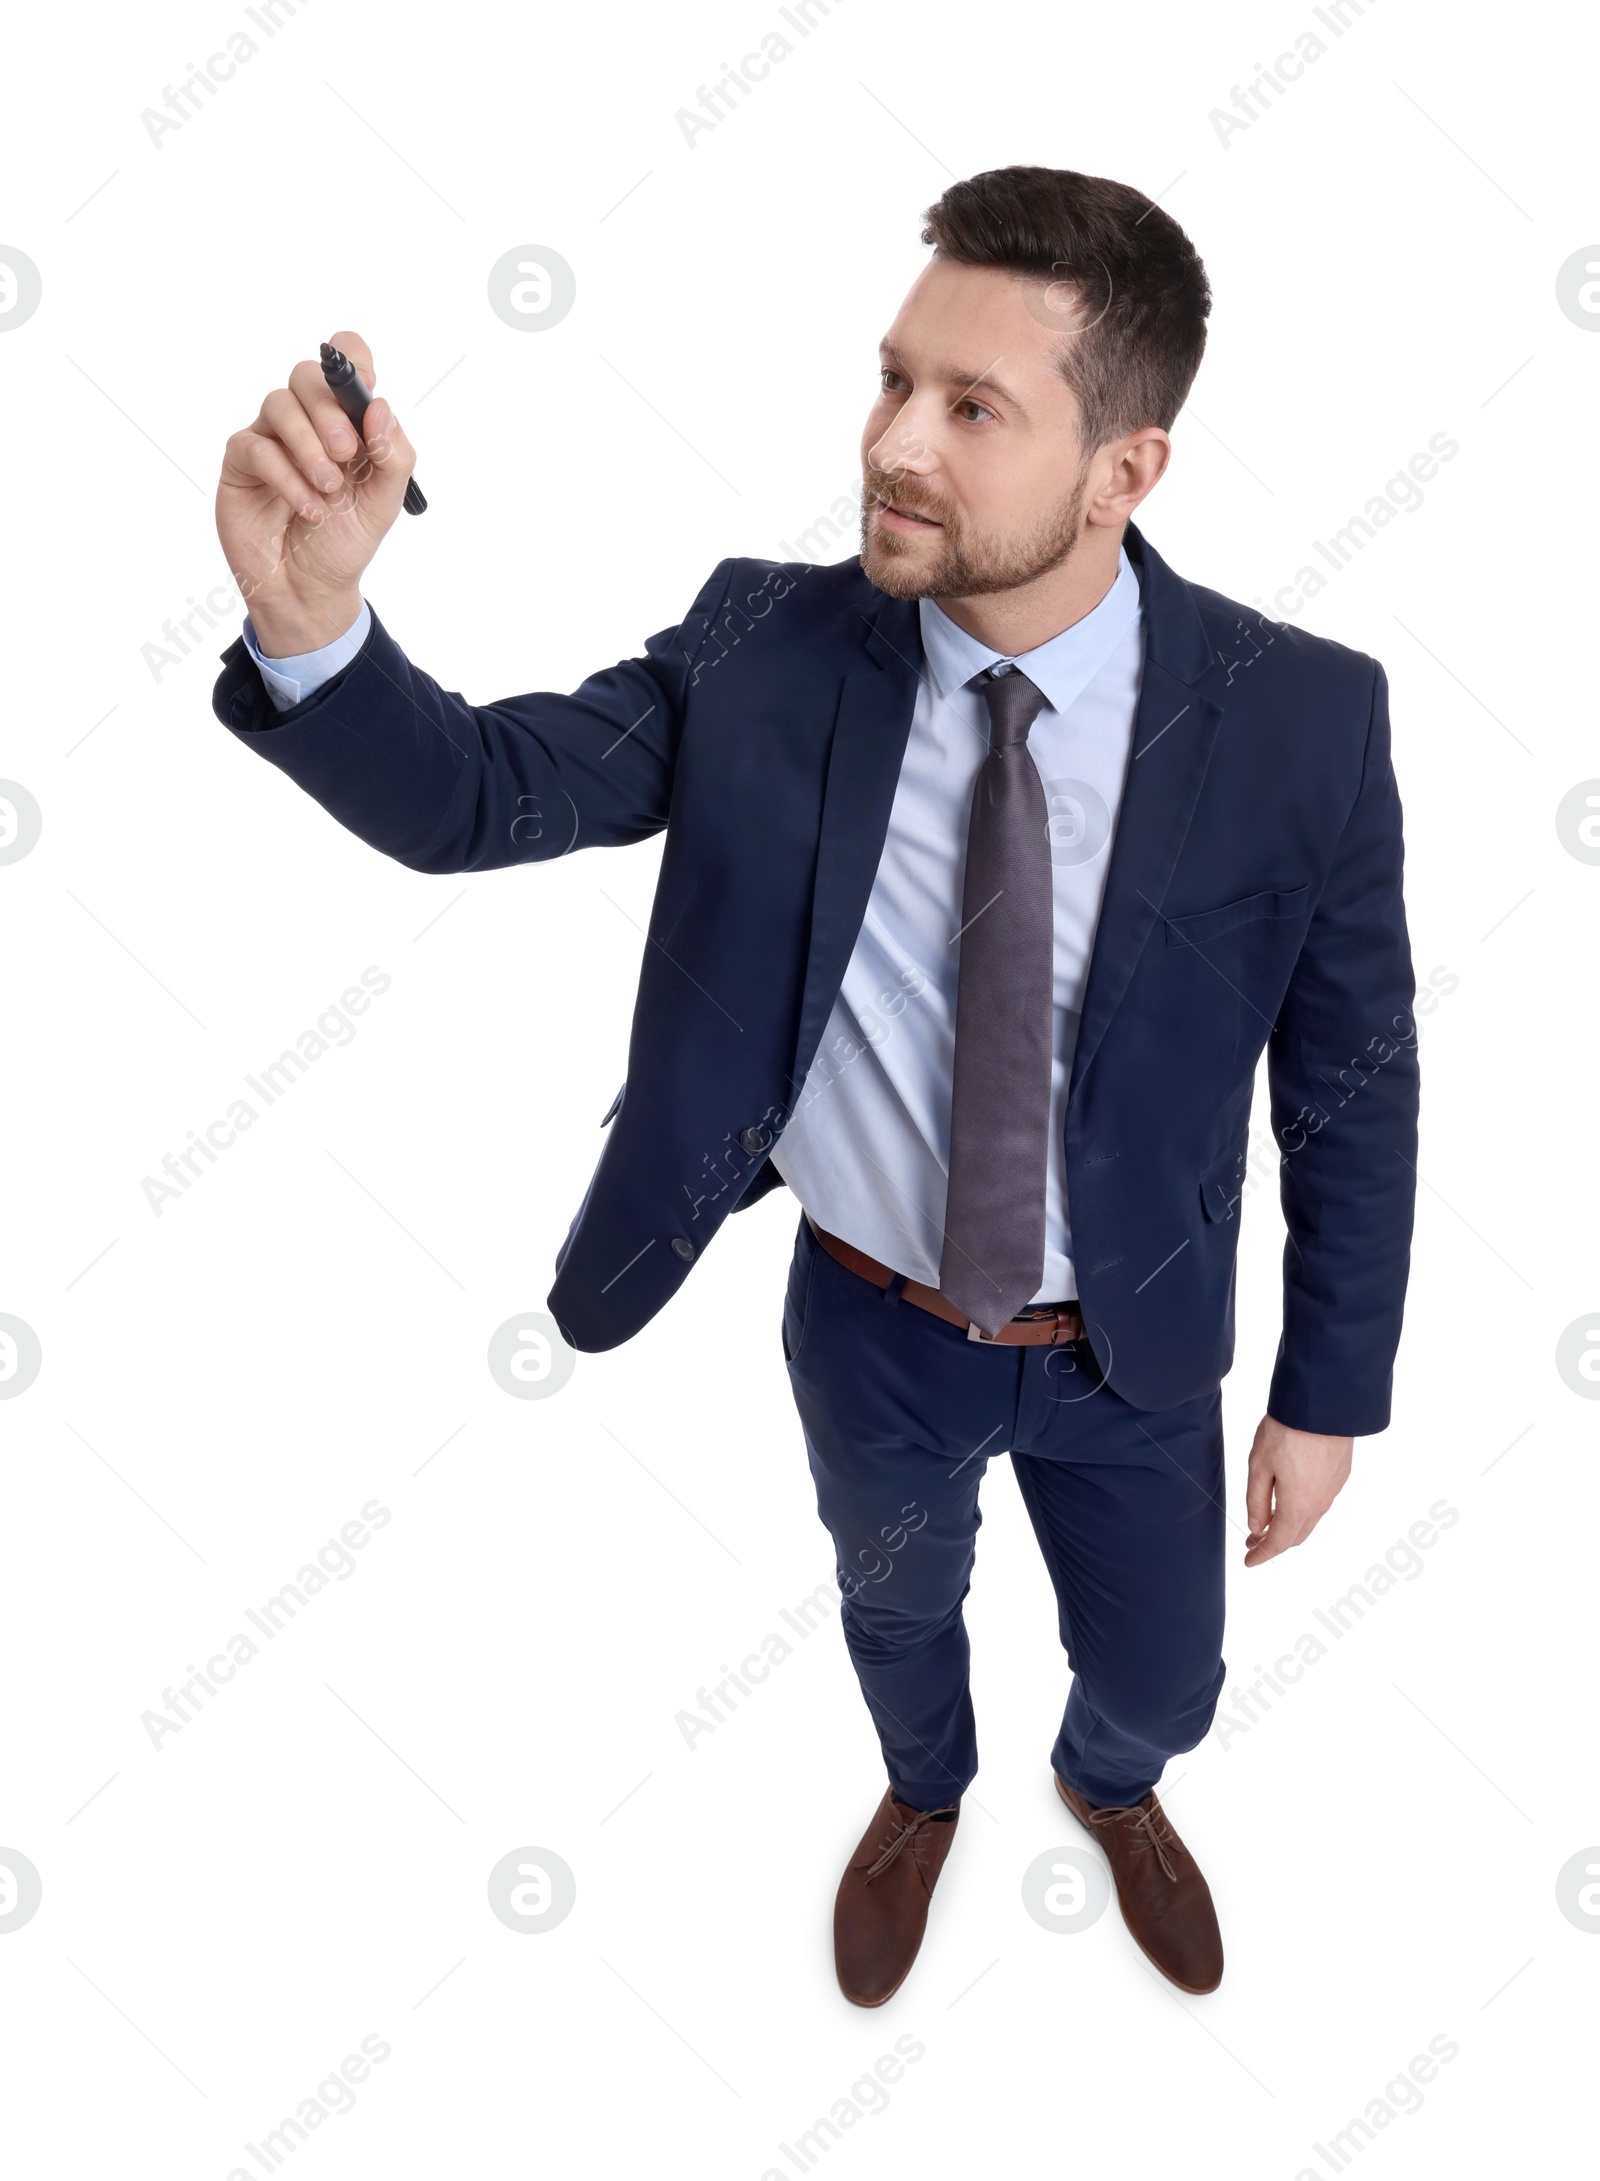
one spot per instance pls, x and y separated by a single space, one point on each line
1207 924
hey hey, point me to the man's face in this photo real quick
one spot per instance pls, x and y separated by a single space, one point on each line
973 480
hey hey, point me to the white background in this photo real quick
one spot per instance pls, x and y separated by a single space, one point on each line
305 1864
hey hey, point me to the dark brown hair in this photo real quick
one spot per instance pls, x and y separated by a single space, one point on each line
1138 329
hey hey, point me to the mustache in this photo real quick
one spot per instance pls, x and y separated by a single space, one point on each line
897 492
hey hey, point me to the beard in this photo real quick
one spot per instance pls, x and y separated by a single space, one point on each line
965 563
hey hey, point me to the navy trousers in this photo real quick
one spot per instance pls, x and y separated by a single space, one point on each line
902 1414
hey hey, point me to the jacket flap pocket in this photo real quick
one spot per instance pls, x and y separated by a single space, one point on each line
1188 931
1221 1184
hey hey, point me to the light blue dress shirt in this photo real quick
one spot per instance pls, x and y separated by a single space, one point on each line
288 680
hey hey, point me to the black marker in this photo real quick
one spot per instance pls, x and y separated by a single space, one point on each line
352 393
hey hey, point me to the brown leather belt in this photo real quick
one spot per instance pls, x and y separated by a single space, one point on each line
1042 1325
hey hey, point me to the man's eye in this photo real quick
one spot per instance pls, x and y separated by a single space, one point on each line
977 405
885 375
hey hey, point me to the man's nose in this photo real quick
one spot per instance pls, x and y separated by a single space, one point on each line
902 449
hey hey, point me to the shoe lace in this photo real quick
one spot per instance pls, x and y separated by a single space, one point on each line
906 1833
1147 1829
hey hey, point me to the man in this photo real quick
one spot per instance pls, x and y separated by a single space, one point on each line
992 863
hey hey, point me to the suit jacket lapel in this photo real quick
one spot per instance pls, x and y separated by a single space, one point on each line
876 703
1174 729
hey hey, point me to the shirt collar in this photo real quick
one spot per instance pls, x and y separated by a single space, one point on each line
1063 666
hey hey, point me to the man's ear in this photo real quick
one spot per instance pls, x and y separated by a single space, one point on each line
1134 466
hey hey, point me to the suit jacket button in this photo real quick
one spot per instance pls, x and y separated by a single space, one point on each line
682 1247
753 1139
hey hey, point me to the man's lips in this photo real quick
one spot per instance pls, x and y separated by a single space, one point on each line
905 517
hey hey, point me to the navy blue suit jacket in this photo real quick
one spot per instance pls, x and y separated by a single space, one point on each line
1253 898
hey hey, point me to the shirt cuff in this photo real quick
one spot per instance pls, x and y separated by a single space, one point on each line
290 680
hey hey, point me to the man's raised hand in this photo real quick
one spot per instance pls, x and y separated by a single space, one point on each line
303 504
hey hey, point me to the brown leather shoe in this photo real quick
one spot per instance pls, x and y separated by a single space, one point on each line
882 1907
1165 1901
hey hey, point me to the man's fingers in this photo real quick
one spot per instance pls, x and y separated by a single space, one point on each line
352 345
253 457
1258 1497
1289 1526
315 397
283 418
1277 1537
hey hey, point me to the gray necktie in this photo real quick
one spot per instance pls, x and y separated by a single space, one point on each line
993 1256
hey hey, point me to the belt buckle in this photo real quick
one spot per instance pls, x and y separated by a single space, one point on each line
976 1332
